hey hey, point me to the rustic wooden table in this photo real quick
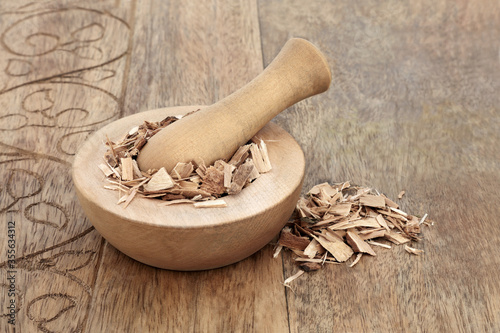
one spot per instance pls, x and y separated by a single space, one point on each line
414 106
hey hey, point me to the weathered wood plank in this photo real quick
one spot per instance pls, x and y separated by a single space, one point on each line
191 53
412 107
61 73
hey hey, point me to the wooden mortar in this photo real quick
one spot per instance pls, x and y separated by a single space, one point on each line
181 237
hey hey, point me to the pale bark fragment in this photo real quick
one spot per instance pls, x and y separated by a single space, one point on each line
342 209
161 180
312 248
130 198
390 203
257 158
219 203
398 211
240 177
414 251
106 169
254 174
358 244
358 257
240 156
127 168
379 244
383 223
277 251
213 181
137 171
291 241
228 174
372 234
293 277
370 200
396 238
265 156
369 222
182 170
338 249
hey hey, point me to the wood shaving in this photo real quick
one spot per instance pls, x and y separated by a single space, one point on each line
413 250
332 223
191 182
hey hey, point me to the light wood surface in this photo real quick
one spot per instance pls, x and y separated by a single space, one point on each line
414 107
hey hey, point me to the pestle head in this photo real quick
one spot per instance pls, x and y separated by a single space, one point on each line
299 71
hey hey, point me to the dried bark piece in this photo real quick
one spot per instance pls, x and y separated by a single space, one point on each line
372 234
304 210
257 159
358 244
370 200
378 244
141 141
315 190
219 203
396 238
182 170
369 222
127 168
383 223
291 241
413 226
130 198
286 283
338 249
187 185
312 248
389 213
161 180
240 156
240 177
342 209
414 251
201 168
213 181
137 171
358 257
400 195
398 211
390 203
228 174
254 174
106 169
265 156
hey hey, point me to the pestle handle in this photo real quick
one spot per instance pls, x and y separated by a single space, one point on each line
215 132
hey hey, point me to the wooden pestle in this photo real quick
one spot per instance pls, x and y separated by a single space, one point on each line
215 132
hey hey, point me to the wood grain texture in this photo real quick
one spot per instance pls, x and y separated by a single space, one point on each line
60 80
412 106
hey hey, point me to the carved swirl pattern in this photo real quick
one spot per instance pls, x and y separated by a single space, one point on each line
59 72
